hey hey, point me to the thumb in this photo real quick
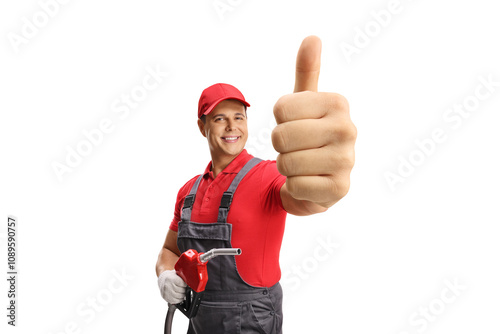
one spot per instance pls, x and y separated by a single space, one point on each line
308 64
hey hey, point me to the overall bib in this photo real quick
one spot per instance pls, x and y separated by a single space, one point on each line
229 304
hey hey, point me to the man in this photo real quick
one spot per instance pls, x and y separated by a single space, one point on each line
242 202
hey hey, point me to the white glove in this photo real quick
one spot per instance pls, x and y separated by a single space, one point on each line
172 287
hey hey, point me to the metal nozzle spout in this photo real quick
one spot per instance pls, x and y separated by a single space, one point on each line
219 251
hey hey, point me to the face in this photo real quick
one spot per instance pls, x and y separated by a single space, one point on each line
225 129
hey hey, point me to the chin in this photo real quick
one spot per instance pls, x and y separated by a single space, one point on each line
234 150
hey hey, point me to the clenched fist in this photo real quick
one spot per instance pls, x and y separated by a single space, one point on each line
315 135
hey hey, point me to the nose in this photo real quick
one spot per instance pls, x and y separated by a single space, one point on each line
230 125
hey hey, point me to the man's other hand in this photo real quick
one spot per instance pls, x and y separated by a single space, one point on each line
315 135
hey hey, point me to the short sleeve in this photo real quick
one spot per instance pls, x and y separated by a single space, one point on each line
177 211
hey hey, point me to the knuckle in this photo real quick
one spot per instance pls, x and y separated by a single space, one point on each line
349 159
344 189
278 138
343 160
284 164
341 187
341 102
353 132
279 108
337 102
347 131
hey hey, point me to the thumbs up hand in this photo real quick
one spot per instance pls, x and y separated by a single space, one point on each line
314 137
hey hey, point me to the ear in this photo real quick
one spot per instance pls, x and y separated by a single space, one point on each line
201 126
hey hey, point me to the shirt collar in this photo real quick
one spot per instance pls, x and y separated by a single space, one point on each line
233 167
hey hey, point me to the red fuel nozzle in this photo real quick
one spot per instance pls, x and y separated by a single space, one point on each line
192 266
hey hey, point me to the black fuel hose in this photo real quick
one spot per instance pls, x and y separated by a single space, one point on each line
169 319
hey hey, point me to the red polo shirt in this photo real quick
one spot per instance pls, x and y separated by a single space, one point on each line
256 213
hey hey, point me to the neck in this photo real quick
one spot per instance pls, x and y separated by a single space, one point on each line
221 162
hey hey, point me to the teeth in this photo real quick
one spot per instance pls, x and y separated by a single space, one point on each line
230 138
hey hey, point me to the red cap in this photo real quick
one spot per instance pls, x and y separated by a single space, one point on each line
214 94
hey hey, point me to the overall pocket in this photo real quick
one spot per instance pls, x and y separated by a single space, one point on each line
259 316
215 318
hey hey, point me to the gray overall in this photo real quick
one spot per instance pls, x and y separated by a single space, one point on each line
229 304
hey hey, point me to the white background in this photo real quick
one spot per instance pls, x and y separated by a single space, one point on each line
396 247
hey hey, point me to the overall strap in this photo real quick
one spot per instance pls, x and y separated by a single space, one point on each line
189 201
227 198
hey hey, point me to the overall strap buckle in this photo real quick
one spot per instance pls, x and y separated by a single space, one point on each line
226 200
227 197
189 200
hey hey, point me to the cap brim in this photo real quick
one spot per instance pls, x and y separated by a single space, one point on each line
209 110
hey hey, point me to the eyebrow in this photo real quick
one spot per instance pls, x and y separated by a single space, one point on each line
224 115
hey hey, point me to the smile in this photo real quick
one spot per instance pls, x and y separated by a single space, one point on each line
230 139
